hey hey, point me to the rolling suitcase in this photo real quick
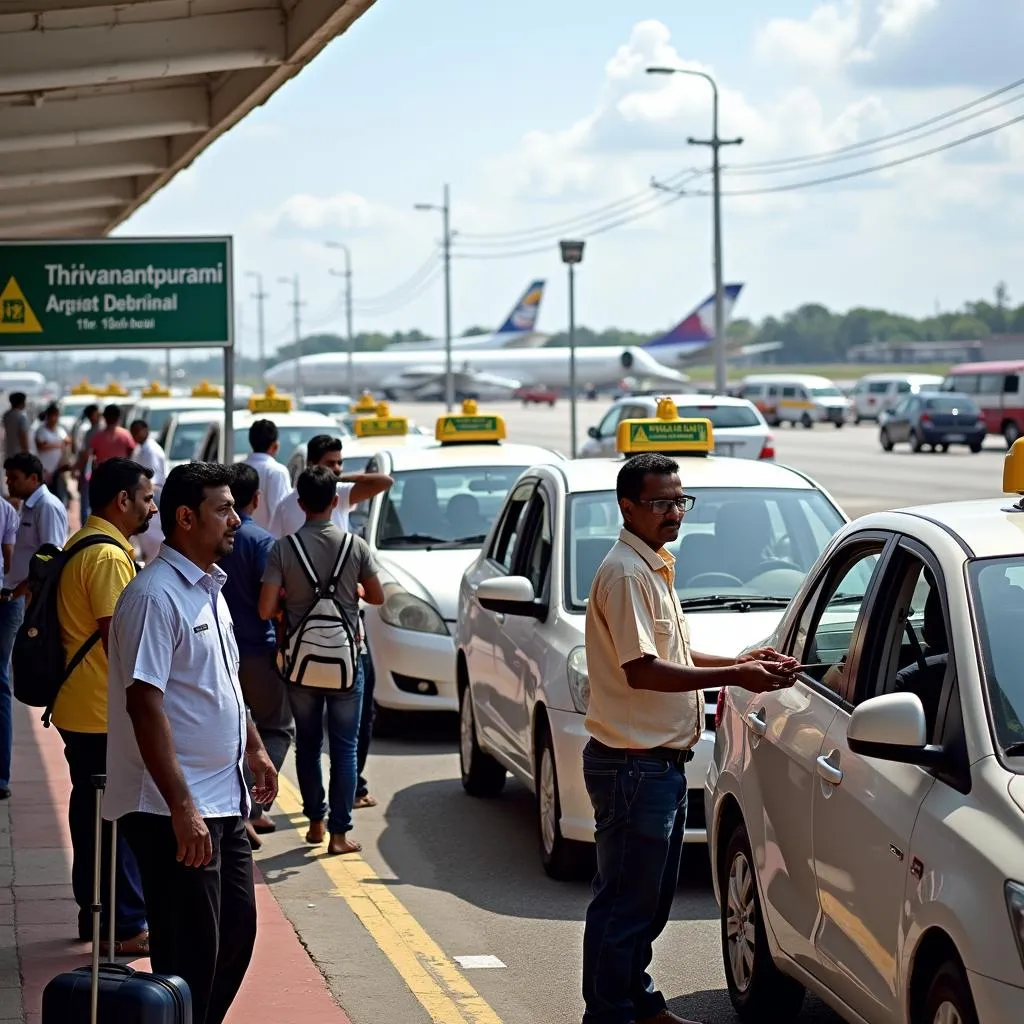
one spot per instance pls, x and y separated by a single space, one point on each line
112 993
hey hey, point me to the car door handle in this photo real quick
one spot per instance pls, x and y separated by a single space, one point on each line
756 722
828 771
499 617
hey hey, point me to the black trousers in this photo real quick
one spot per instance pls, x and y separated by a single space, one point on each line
202 921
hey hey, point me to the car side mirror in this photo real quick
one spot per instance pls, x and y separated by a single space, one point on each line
594 433
893 727
510 595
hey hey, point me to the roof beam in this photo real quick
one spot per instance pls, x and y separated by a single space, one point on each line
93 120
58 58
87 163
78 226
18 203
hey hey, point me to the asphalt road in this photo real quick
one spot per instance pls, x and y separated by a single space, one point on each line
467 870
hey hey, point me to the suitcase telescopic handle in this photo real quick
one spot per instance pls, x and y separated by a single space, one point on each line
100 784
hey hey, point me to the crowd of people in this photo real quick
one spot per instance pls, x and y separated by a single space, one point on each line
189 677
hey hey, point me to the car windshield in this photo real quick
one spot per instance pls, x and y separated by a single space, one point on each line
747 544
997 594
328 406
826 392
75 406
950 403
157 418
451 505
185 438
722 416
290 437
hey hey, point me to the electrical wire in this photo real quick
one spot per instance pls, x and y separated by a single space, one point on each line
413 281
423 287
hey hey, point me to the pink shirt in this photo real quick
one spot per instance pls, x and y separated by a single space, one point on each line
111 444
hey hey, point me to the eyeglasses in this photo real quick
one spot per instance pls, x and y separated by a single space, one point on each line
662 506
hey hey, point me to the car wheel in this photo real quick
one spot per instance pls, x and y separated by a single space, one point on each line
949 998
562 859
857 420
915 441
943 448
885 440
481 775
839 424
1010 432
387 722
806 421
976 447
759 991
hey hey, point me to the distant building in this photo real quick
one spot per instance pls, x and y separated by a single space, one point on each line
909 352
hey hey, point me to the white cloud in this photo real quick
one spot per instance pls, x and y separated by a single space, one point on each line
821 43
345 212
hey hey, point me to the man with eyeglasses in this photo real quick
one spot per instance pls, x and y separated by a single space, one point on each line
645 715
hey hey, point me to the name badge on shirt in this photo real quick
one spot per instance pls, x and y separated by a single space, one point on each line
202 628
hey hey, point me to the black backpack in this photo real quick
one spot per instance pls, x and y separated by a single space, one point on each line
39 663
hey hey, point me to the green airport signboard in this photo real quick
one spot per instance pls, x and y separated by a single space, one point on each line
116 293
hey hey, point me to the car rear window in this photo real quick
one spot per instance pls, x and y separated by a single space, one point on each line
878 387
947 403
721 416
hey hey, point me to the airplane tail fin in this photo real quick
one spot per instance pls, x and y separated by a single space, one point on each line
523 317
697 328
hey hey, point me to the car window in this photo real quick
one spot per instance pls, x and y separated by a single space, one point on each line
997 594
966 383
721 416
948 403
289 437
879 387
903 407
1011 383
825 631
210 453
990 384
610 422
532 557
903 387
736 541
514 513
826 392
184 440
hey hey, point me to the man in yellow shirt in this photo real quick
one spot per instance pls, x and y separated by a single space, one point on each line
121 500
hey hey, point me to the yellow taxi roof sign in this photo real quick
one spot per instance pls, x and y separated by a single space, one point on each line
365 406
381 424
469 427
114 390
156 390
83 387
270 401
1013 473
665 433
204 389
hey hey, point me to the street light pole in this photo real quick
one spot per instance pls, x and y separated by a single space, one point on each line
446 245
296 305
572 253
259 297
715 143
350 339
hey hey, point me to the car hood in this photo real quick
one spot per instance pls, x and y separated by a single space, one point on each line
1017 790
727 633
434 576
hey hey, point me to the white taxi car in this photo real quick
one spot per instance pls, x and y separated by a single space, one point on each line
754 531
157 404
294 428
184 432
423 532
739 428
867 824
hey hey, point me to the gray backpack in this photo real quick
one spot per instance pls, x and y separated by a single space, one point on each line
321 652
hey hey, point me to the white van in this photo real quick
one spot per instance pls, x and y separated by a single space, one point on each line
876 393
796 398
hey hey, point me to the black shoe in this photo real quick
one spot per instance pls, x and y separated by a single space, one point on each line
5 792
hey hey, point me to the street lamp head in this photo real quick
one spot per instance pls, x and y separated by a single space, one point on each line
661 71
424 206
572 252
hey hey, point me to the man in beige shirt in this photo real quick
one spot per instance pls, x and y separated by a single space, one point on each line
645 715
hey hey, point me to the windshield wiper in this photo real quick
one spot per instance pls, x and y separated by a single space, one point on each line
1015 749
734 602
411 538
846 598
476 538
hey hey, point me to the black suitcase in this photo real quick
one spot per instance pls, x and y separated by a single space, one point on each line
113 993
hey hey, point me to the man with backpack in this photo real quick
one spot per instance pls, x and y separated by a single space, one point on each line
98 564
320 570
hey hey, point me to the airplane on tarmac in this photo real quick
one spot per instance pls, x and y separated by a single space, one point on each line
516 332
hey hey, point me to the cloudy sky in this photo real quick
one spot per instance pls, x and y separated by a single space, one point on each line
541 118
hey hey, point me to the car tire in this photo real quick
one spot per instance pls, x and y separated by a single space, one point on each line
839 424
976 447
806 421
387 722
942 448
482 775
885 440
949 997
1010 432
760 993
561 858
915 441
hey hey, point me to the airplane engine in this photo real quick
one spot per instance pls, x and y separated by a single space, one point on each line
626 360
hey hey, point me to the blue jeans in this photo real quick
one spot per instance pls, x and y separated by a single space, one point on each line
11 615
640 812
343 716
365 726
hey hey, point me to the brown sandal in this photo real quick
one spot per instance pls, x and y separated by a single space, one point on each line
364 801
137 946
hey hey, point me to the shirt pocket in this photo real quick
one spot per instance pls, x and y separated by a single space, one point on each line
664 638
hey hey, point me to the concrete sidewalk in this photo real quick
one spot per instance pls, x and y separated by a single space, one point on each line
38 915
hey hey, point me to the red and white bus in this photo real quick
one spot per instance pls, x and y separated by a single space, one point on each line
996 389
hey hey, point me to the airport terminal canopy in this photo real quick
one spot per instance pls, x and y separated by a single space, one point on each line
101 104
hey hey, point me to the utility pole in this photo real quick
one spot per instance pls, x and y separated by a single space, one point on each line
259 296
296 305
715 143
446 245
347 275
572 253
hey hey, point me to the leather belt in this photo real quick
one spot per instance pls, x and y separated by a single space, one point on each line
674 755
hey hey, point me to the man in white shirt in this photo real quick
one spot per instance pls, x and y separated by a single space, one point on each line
178 734
275 483
149 454
53 445
324 450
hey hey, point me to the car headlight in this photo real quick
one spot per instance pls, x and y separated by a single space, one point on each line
407 611
579 680
1015 905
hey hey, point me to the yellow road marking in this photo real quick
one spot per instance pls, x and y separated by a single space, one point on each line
432 977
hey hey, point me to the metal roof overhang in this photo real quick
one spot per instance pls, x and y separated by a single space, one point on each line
101 104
